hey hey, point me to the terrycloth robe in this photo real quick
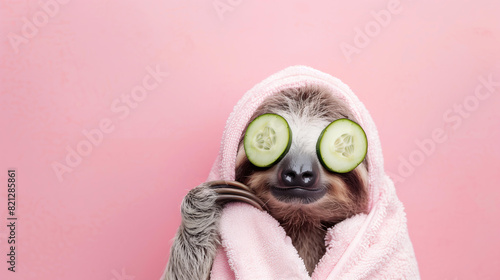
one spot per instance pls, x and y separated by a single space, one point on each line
366 246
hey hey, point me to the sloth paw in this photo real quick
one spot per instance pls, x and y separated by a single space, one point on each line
232 191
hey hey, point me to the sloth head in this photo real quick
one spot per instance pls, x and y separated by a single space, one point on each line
298 190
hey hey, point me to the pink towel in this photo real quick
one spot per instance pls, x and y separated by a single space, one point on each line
366 246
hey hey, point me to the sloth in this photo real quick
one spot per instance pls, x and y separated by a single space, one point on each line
303 196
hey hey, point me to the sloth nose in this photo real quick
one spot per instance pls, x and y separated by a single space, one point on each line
299 172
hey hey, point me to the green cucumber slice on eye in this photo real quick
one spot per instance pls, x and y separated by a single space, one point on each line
267 140
342 146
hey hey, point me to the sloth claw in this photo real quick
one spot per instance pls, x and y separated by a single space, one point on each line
233 198
230 191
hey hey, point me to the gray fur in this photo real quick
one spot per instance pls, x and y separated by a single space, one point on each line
196 241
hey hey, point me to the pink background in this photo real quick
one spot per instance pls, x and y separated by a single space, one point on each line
115 214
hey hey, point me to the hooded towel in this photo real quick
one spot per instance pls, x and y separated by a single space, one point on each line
366 246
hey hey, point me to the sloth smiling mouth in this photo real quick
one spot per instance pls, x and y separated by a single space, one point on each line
292 194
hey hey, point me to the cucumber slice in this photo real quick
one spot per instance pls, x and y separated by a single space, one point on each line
342 146
267 140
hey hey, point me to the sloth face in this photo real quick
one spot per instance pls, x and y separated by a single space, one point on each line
298 189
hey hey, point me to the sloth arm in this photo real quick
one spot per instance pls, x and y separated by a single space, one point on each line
197 239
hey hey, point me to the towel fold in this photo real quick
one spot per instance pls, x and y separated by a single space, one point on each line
366 246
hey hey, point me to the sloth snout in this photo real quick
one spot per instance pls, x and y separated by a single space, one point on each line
298 171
